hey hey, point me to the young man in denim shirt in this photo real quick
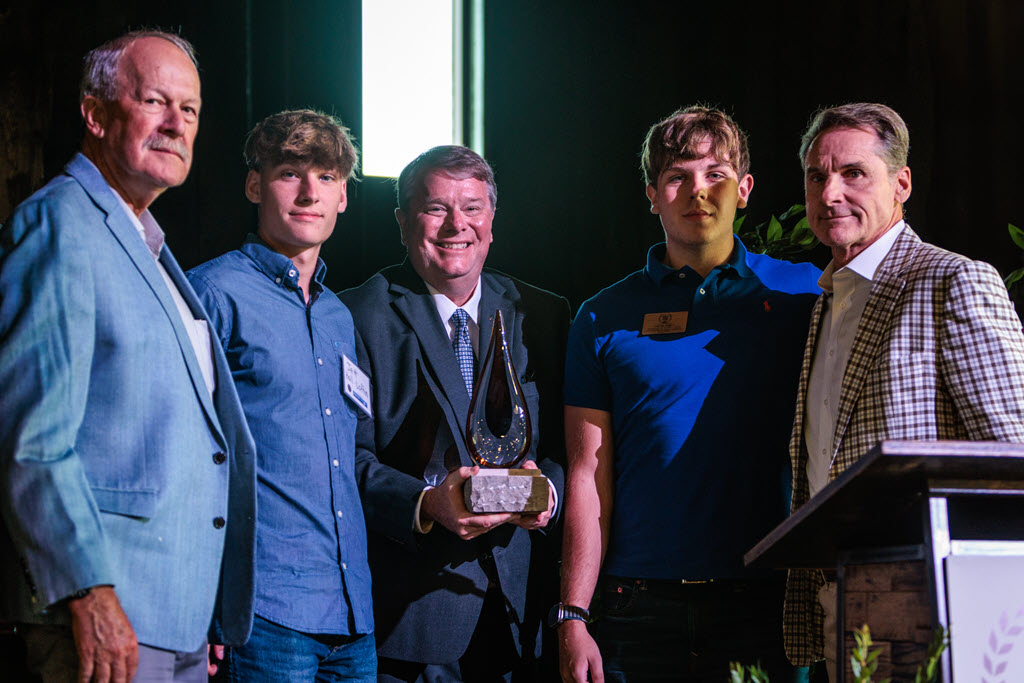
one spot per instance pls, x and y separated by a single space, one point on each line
288 341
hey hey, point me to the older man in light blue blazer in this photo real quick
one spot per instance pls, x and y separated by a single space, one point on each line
127 488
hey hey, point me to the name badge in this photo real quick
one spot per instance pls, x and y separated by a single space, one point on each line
356 385
665 323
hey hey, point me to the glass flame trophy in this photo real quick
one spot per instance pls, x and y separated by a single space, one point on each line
498 434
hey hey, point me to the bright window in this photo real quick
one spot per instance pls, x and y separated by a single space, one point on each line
412 80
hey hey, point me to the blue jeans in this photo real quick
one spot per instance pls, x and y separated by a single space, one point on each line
275 653
668 631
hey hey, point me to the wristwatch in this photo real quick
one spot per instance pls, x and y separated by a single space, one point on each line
561 612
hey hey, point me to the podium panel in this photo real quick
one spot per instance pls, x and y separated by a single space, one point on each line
920 535
986 617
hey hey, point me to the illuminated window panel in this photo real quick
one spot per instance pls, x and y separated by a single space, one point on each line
412 80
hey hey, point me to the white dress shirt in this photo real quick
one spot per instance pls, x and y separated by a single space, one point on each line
846 293
446 307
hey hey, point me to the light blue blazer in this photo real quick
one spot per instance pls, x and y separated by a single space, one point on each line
116 467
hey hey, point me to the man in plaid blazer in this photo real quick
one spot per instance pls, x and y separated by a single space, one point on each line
907 341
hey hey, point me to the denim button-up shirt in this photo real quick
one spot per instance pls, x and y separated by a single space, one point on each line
286 359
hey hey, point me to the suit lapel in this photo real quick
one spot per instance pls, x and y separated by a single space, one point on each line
886 288
493 297
124 231
413 303
805 371
194 371
797 451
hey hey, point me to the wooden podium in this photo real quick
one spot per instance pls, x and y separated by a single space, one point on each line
921 534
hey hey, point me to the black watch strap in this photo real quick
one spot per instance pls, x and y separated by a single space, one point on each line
80 594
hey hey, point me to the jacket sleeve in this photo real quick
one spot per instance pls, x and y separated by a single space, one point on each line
47 346
550 453
388 496
981 354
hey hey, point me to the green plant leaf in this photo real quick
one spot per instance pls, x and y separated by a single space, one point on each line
802 234
1014 276
791 211
738 223
774 230
808 241
1016 234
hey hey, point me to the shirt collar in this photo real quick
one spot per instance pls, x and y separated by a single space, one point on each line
866 262
279 267
657 271
145 224
445 306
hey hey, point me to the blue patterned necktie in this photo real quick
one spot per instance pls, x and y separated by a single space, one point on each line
463 347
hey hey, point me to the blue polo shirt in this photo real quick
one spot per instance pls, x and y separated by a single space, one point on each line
701 414
312 573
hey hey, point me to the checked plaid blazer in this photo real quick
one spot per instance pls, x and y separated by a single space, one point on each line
939 354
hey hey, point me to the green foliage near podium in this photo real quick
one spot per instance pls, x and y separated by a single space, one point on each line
863 661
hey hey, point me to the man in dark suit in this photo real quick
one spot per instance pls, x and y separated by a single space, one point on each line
455 600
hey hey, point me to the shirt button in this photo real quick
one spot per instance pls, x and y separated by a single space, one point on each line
682 275
335 462
218 522
344 565
219 458
277 280
319 361
291 273
339 513
823 451
328 411
702 290
831 353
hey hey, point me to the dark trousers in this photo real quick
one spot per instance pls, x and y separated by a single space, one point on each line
490 657
653 630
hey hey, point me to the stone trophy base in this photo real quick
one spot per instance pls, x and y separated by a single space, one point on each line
504 490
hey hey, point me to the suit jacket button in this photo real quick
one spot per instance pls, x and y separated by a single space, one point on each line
219 458
218 522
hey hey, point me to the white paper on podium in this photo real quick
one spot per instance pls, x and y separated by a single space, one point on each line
986 618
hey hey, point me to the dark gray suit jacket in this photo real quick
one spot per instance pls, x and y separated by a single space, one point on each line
428 590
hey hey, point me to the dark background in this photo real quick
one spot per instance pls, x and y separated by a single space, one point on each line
571 88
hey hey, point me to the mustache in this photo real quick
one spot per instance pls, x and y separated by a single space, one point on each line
164 143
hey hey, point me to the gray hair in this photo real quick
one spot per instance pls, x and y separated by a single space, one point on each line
103 64
455 160
884 121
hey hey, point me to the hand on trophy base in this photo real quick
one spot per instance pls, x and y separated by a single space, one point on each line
444 505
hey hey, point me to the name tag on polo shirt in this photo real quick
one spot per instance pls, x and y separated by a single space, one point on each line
356 385
665 323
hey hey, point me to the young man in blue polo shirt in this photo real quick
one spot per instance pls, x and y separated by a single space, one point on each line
289 342
680 386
